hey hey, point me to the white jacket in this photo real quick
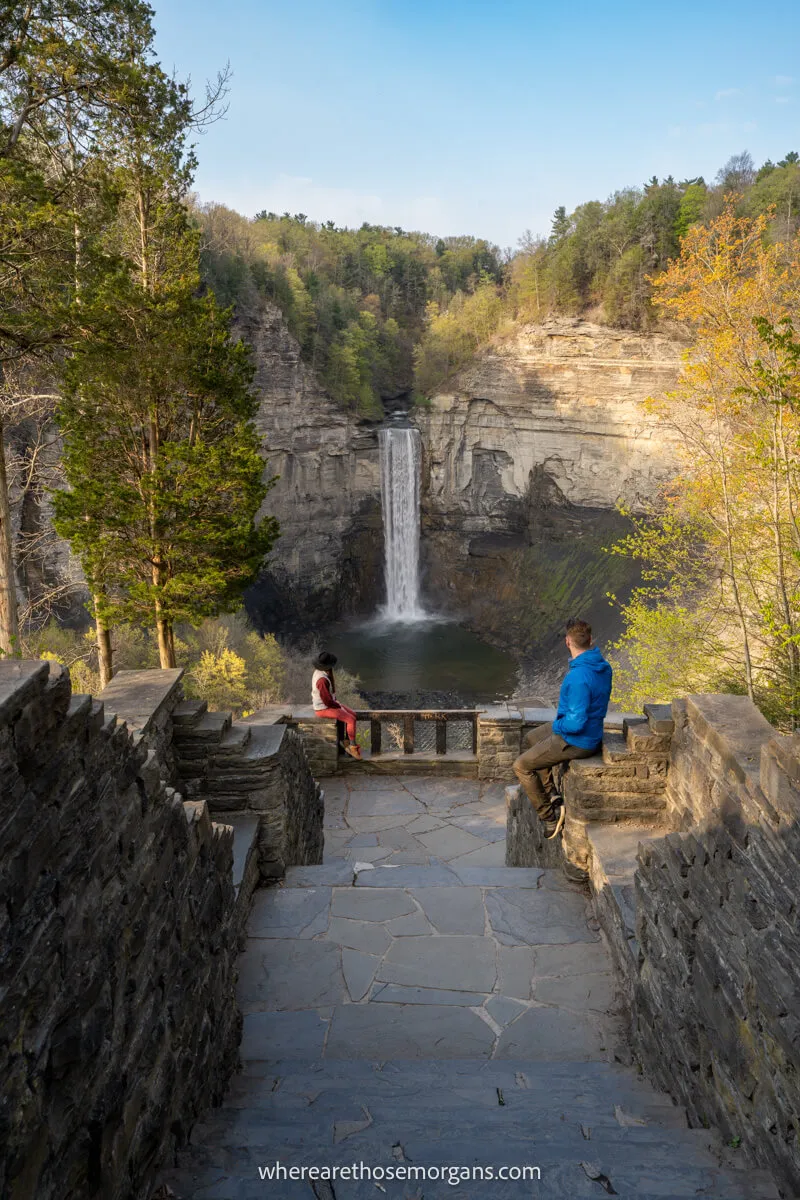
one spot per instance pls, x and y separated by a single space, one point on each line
316 699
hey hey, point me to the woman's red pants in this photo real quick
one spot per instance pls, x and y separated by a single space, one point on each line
341 714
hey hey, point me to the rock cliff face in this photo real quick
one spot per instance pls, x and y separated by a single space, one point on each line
329 559
524 461
560 401
526 458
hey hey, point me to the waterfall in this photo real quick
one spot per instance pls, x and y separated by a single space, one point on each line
400 467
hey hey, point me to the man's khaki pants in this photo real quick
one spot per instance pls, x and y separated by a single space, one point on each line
533 767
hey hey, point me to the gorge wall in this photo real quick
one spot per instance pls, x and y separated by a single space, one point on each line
526 457
329 558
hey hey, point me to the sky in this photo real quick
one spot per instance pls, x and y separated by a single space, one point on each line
478 116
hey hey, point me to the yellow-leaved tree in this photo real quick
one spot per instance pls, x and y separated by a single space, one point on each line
719 607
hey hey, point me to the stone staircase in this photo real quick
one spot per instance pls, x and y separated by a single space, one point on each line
438 1016
622 788
249 778
590 1130
627 781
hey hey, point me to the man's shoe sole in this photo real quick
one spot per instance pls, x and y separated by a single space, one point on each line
561 818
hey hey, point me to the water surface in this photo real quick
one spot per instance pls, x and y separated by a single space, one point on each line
432 663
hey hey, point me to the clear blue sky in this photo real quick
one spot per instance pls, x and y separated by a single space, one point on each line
479 116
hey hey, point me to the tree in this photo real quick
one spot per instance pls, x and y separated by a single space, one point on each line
692 206
738 173
626 292
778 194
560 225
160 453
65 67
453 336
723 554
163 462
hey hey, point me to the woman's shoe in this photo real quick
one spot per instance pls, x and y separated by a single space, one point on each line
353 750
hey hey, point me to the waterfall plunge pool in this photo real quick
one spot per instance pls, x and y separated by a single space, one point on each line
405 658
422 664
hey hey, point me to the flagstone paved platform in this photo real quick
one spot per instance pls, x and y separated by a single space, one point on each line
414 1001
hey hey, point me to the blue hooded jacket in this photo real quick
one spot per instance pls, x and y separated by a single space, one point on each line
583 701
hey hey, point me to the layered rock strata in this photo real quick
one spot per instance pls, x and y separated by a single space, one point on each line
526 458
560 403
532 446
329 558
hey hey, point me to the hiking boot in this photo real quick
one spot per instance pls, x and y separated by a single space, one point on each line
554 827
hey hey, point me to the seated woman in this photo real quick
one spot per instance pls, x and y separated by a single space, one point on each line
323 698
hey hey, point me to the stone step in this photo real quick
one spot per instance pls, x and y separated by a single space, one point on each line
613 806
601 776
641 739
191 771
560 1089
437 875
264 743
234 741
554 1116
339 872
208 730
187 712
615 749
659 718
251 767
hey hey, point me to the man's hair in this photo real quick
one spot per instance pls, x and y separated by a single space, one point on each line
579 632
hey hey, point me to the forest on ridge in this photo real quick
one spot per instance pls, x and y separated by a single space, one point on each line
379 311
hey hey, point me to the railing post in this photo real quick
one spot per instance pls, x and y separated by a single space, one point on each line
500 741
441 735
408 733
375 730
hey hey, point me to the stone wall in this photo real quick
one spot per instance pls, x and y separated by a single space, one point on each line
696 895
118 1020
716 1001
320 740
146 701
252 767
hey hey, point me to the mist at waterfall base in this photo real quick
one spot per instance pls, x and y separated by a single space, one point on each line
405 656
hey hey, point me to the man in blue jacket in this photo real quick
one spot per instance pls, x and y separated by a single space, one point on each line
577 731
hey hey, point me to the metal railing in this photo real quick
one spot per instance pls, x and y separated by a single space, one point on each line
404 721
